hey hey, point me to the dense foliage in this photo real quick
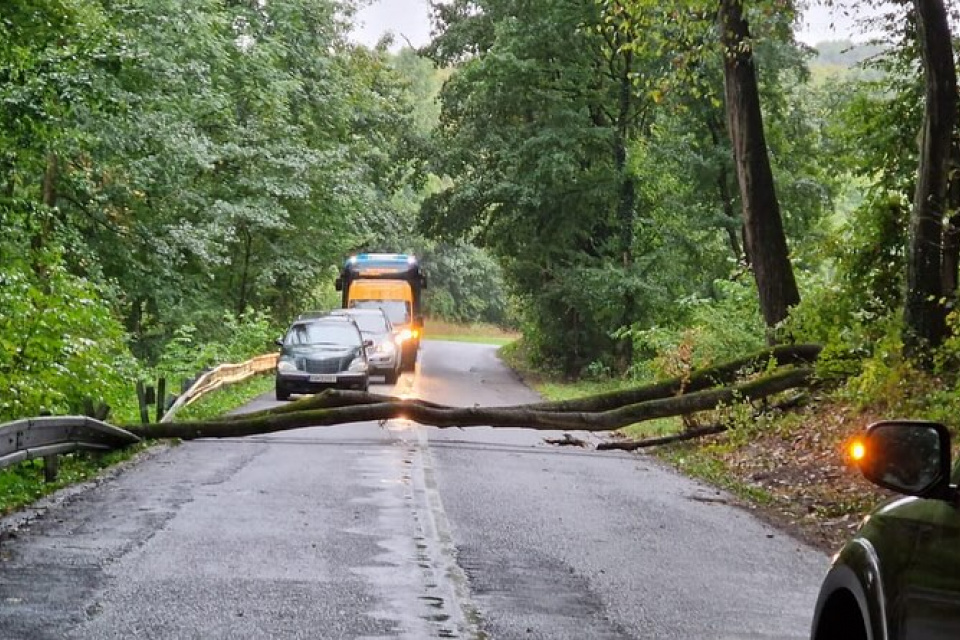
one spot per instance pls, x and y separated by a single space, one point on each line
587 147
178 178
166 165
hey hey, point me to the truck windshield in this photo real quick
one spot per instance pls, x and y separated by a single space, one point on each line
397 310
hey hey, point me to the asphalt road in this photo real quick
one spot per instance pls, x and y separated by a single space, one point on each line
400 531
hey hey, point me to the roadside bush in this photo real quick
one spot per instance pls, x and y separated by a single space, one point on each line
721 328
240 338
59 342
849 327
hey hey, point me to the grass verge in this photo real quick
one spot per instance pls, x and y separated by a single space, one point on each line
552 387
227 398
478 333
23 484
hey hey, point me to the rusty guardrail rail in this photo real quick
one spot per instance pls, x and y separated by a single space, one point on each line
219 376
50 436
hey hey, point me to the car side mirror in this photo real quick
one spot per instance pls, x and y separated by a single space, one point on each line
911 457
278 342
418 321
367 344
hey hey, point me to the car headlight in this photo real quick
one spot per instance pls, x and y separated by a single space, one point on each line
359 365
405 335
386 347
286 365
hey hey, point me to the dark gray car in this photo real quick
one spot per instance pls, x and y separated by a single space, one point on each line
322 353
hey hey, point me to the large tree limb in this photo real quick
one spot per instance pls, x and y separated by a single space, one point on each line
724 373
439 416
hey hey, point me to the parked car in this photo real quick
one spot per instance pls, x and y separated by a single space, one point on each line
384 355
899 577
319 353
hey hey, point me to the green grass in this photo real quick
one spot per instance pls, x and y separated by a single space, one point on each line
476 333
553 390
227 398
23 484
552 387
478 339
696 460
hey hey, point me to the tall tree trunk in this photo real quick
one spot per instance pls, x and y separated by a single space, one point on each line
626 203
731 221
766 244
50 180
950 264
45 228
245 273
924 312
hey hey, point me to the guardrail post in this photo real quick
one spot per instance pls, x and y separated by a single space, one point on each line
161 397
98 411
51 467
142 401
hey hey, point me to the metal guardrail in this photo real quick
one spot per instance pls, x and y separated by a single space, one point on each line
48 437
221 375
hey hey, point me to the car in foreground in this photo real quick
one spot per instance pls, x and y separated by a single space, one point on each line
899 576
384 355
319 353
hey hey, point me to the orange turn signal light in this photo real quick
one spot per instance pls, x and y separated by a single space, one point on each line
858 451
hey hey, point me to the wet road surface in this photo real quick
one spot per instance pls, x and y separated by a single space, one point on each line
374 531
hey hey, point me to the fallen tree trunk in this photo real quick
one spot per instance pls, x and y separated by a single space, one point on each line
529 416
725 373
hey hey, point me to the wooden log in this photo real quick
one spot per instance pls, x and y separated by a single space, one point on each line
499 417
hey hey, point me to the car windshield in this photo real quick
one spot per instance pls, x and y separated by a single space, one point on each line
320 333
397 310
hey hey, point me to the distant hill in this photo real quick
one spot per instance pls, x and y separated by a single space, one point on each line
841 59
844 53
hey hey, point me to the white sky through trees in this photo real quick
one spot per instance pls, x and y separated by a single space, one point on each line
409 20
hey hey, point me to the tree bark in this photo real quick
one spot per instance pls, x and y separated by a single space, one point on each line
50 176
245 273
499 417
766 244
626 202
924 309
731 224
722 374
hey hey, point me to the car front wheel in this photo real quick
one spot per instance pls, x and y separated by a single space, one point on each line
841 619
282 393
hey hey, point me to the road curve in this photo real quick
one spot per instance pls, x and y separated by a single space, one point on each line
400 531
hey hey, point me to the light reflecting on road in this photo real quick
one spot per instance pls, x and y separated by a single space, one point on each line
405 391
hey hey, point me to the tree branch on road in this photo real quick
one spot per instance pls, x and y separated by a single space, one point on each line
604 412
